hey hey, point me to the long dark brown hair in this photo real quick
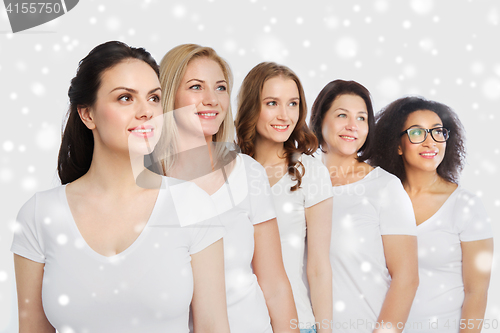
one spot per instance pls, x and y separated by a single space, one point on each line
77 146
301 141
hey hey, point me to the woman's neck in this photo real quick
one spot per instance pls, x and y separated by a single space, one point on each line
422 181
268 152
345 169
114 172
193 158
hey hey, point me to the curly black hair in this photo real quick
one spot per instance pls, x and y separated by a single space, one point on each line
388 128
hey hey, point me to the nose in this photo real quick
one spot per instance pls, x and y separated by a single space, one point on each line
210 98
282 113
351 124
144 111
429 141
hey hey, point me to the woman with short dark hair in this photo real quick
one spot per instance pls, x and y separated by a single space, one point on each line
373 250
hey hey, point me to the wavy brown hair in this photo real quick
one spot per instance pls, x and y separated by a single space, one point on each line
302 139
390 122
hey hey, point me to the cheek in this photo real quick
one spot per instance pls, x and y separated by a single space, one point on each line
262 121
363 128
224 102
442 150
408 149
265 115
331 126
183 99
295 116
157 110
326 129
105 116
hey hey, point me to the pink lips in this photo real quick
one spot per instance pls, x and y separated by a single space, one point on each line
210 114
347 138
429 154
281 129
144 131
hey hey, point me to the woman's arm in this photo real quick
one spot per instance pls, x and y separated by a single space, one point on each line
402 263
319 270
29 276
209 295
268 267
476 270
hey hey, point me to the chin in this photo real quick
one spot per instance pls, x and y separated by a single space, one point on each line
280 138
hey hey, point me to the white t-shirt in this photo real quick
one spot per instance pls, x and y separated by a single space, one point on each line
243 201
438 303
290 211
362 212
146 288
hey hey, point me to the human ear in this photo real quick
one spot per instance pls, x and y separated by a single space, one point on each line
86 117
400 151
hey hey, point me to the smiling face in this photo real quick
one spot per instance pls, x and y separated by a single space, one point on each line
425 156
279 109
126 114
203 95
345 125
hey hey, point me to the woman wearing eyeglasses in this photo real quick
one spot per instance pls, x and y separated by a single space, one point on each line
422 143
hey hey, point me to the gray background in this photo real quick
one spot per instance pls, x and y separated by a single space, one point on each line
445 50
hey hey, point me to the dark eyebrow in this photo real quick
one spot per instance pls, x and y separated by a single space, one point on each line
350 111
133 91
130 90
154 90
420 126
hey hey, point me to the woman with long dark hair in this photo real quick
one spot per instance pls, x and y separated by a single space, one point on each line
271 127
106 251
373 245
422 142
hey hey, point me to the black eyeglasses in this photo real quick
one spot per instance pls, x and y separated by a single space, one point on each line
418 135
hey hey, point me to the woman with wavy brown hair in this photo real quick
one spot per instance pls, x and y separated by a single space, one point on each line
271 127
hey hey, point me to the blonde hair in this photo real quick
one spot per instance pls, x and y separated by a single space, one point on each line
172 69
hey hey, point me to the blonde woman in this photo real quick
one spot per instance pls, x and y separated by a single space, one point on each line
197 84
271 127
